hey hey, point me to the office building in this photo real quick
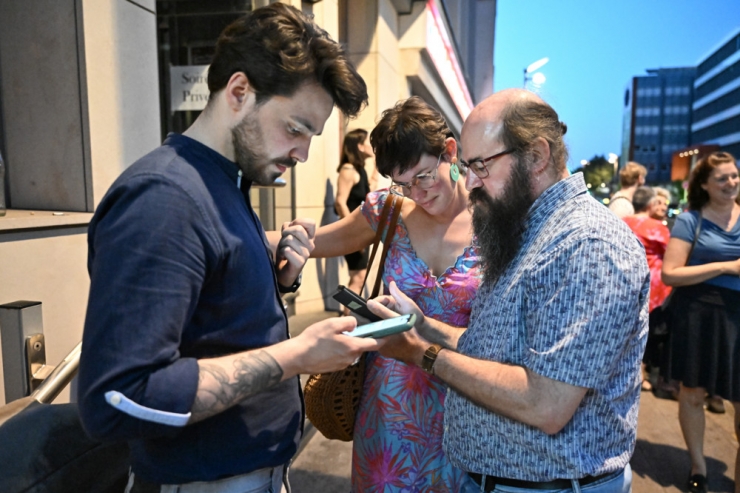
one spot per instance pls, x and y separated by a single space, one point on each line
657 119
716 107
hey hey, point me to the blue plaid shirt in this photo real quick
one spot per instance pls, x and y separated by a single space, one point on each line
573 307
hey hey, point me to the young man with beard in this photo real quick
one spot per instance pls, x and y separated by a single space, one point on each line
545 382
186 353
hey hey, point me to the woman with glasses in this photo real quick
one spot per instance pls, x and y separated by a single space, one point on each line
398 430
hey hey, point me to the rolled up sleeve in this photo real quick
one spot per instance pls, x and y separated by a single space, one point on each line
149 253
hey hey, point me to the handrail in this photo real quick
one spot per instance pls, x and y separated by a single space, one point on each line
63 373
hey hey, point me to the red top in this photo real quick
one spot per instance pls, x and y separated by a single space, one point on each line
654 236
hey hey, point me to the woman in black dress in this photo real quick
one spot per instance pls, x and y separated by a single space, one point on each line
704 346
352 187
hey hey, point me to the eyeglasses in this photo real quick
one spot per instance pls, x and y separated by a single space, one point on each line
423 181
479 166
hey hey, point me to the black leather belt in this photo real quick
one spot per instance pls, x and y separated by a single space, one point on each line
555 484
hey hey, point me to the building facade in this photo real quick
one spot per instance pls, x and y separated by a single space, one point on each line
86 88
657 119
716 106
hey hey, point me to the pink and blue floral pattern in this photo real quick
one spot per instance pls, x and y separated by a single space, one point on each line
399 426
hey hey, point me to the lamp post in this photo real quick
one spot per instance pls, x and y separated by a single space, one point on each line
537 78
614 160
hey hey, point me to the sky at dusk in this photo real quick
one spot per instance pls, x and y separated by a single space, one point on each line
595 47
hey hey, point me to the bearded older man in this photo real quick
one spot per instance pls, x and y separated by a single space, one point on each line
545 382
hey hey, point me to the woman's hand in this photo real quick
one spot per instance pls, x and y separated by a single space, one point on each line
734 267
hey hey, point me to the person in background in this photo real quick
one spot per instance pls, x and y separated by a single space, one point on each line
397 444
352 187
654 236
630 177
704 347
186 353
660 210
544 384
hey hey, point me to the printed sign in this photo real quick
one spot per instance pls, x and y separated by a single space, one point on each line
188 87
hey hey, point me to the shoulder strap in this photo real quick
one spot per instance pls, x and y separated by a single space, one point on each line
620 197
391 202
697 230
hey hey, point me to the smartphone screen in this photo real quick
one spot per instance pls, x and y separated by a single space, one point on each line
385 327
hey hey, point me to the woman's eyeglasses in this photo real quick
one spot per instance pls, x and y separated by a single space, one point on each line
423 181
479 166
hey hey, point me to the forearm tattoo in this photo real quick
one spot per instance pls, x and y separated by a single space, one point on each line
217 390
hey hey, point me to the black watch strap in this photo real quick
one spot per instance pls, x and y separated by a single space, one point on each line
430 356
293 287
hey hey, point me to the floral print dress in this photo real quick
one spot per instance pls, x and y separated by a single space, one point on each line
398 431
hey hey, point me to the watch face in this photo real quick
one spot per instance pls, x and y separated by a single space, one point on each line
430 356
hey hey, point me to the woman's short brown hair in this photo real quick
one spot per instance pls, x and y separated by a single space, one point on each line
405 132
698 197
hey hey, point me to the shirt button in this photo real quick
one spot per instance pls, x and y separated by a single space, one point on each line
115 399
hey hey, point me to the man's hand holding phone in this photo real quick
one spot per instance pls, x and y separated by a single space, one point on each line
324 347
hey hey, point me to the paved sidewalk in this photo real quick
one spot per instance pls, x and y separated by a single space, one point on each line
660 463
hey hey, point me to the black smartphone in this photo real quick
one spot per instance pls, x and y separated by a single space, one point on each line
385 327
354 302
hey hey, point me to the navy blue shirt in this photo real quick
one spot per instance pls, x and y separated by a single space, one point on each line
180 270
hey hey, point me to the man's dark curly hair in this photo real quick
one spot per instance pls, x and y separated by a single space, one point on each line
279 49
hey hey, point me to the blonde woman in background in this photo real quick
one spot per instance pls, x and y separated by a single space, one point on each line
659 210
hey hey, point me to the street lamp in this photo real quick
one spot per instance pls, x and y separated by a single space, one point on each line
537 78
614 161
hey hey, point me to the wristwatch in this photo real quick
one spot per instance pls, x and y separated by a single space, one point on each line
292 288
430 356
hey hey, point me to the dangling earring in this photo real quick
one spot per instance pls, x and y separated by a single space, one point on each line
454 170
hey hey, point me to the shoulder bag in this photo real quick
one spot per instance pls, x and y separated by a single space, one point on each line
332 399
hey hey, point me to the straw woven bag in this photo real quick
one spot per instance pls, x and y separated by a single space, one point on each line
332 399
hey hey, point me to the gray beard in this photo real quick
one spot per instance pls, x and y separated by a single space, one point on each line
499 224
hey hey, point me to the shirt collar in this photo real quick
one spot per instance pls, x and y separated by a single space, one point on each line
562 191
227 166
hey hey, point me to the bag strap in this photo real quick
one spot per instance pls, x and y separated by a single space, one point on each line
391 202
697 231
